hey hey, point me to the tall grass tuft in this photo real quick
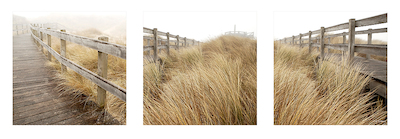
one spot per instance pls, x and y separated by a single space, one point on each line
215 83
322 93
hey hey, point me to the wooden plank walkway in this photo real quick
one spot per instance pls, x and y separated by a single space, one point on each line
375 68
35 101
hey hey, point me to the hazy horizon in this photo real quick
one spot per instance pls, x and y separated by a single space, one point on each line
111 23
201 26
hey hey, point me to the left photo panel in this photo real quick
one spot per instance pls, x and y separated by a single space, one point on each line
69 68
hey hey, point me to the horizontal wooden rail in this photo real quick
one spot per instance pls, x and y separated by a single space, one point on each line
157 42
189 41
102 46
20 27
368 49
374 49
98 80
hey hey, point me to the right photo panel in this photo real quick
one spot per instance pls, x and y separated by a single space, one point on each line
330 68
201 70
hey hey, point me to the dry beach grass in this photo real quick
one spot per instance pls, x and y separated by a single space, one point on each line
215 83
310 93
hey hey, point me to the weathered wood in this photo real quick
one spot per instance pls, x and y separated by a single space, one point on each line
351 39
185 42
63 52
168 43
329 42
341 47
177 41
48 43
155 54
316 32
322 45
344 42
105 47
100 81
380 88
148 48
379 19
370 31
102 62
300 40
41 38
147 30
372 49
380 30
337 27
369 42
292 40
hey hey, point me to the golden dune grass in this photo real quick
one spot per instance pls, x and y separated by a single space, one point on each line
73 83
215 83
328 95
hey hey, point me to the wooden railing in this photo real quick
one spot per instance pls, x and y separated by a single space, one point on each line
350 47
20 28
157 41
102 46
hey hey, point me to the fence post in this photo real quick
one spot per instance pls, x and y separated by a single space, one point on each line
49 44
168 43
352 27
369 42
155 45
292 39
41 38
184 41
300 40
63 51
34 32
177 42
309 41
159 44
102 62
322 45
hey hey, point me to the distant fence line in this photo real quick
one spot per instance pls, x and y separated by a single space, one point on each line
25 27
350 47
103 47
157 41
20 28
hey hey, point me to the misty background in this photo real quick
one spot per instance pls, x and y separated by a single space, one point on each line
200 26
112 24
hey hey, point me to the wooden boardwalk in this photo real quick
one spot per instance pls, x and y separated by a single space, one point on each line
374 68
35 101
